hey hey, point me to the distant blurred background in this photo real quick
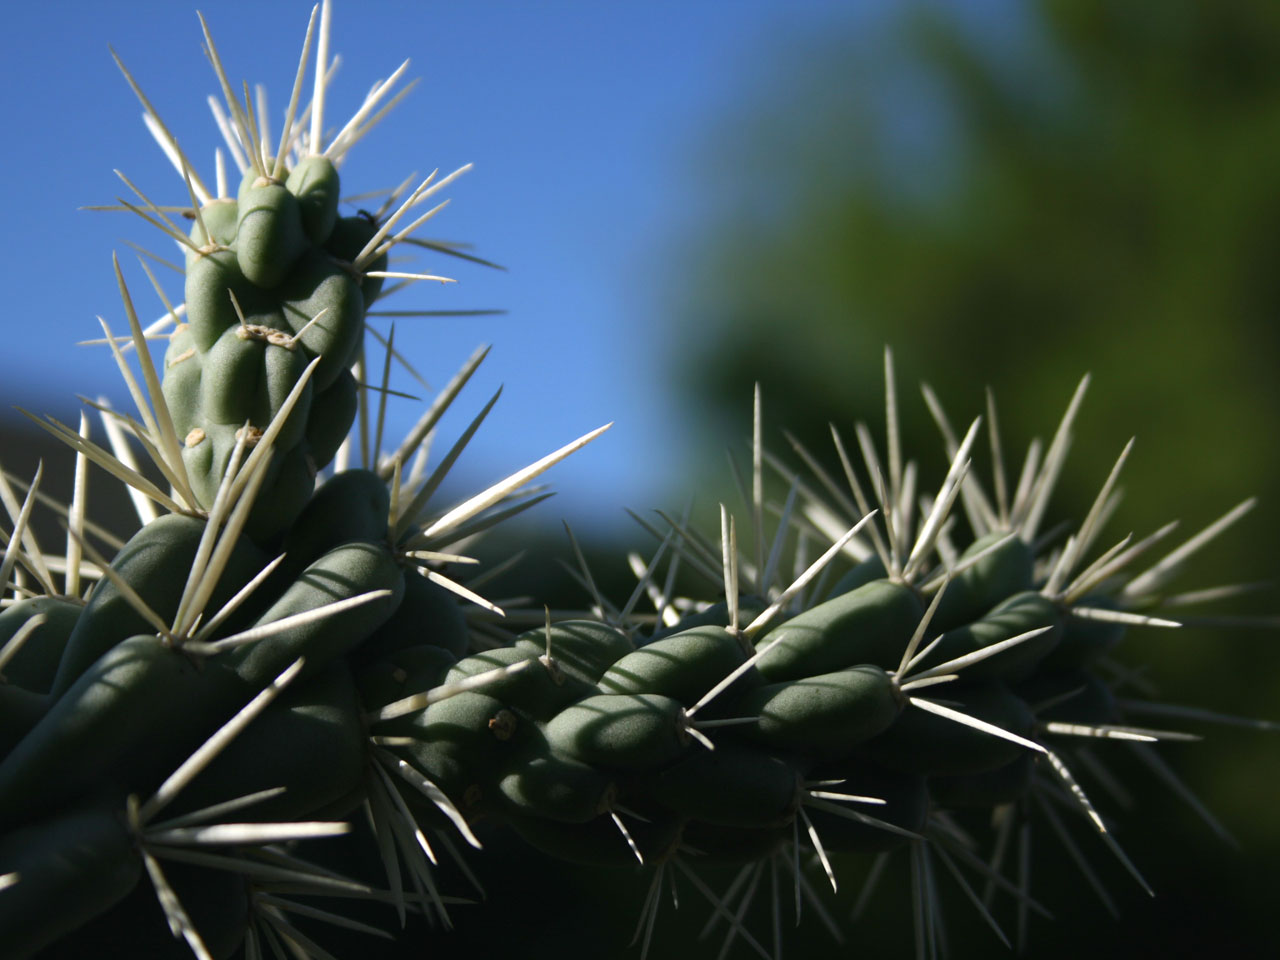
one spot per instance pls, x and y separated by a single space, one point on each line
692 200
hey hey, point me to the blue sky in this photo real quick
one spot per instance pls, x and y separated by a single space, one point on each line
591 127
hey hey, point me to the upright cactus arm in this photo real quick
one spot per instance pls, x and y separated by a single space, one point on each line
289 649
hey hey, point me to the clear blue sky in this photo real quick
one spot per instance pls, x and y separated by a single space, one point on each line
590 126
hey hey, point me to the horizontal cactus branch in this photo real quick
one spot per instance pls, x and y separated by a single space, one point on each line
294 646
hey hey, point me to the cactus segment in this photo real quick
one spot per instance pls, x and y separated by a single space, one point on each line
20 710
730 786
70 868
870 624
583 649
344 573
994 568
47 623
155 563
88 737
1017 614
824 716
311 741
541 690
622 731
544 783
683 665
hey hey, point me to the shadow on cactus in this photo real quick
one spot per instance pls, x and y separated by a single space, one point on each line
288 650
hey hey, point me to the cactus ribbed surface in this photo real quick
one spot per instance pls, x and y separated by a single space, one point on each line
283 653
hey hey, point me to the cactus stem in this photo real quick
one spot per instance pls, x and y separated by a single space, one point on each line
172 313
131 596
255 466
15 642
204 754
204 574
801 581
264 630
420 701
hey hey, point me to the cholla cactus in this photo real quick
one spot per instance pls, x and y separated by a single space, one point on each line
278 657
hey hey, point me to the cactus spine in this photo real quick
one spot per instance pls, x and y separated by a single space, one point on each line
285 649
